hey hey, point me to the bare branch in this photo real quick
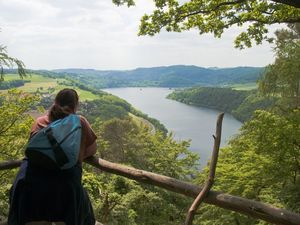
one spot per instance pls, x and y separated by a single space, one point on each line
10 164
209 183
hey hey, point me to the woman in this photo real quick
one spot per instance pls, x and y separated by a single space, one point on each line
39 194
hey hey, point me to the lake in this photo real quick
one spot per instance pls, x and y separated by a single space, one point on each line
184 121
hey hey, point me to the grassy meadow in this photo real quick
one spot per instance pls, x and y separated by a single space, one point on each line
244 87
45 84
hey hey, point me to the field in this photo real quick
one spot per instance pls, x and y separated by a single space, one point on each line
245 87
44 84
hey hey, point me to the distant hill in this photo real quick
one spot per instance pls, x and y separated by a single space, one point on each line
166 76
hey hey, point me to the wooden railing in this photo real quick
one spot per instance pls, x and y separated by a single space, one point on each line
252 208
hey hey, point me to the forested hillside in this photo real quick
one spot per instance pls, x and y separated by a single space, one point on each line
169 76
241 104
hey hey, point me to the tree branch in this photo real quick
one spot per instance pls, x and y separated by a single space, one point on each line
217 7
5 129
214 9
10 164
209 183
295 3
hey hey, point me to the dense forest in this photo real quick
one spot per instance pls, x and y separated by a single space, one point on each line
168 76
240 103
11 84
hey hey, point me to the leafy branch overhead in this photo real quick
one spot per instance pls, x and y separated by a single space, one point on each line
9 62
215 16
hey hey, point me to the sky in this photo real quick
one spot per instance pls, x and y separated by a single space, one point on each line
95 34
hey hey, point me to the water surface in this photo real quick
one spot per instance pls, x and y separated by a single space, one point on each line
186 122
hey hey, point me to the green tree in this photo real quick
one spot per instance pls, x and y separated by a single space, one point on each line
282 78
118 200
241 104
7 61
262 163
15 123
123 141
215 16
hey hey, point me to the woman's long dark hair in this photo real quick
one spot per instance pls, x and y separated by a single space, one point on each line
66 102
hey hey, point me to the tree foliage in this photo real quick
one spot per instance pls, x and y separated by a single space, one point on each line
118 200
224 99
253 102
4 85
163 76
15 123
262 163
241 104
282 78
7 61
218 15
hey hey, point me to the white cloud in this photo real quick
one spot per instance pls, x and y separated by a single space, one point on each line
96 34
22 12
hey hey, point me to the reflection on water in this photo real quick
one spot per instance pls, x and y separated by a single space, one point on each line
186 122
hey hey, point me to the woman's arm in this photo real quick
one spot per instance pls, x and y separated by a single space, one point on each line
89 137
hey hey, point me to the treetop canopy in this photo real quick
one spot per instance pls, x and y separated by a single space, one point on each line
215 16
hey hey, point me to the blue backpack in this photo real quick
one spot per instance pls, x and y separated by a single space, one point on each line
56 146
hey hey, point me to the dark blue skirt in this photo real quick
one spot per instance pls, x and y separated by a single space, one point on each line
45 195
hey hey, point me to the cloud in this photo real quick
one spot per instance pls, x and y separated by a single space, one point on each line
97 34
20 12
